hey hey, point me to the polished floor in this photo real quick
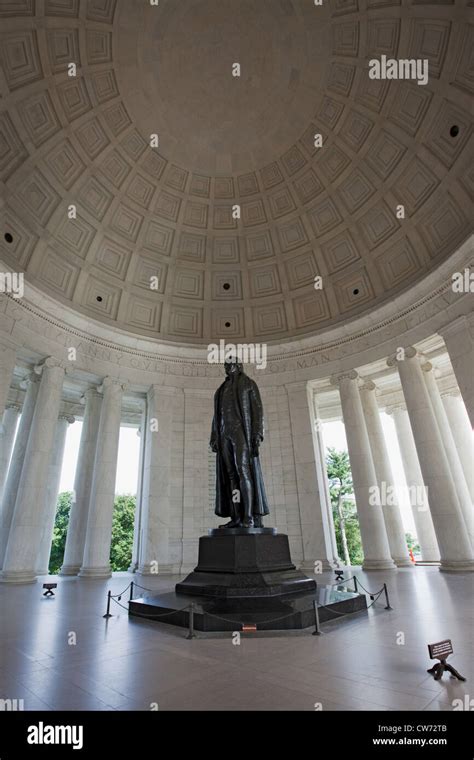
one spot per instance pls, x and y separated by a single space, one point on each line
60 653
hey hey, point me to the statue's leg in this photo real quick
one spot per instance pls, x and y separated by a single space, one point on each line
242 463
233 476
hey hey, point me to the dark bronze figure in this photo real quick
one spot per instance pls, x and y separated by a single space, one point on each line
237 432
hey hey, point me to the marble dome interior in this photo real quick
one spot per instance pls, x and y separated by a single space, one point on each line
167 212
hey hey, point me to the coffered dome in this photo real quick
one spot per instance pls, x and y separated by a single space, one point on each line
155 247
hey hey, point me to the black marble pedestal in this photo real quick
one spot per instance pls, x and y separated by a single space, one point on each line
281 613
245 563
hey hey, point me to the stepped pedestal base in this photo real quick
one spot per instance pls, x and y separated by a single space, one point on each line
272 613
244 563
246 577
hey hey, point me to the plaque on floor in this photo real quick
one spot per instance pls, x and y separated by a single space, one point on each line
440 651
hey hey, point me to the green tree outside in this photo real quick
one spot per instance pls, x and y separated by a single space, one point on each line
59 532
346 521
122 532
412 543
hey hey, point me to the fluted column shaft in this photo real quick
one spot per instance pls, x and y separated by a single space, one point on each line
96 562
418 496
383 471
461 429
52 491
453 540
450 448
139 500
323 479
77 527
371 521
459 340
156 492
29 516
12 482
7 437
315 529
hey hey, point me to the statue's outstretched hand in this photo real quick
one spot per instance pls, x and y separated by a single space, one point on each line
213 446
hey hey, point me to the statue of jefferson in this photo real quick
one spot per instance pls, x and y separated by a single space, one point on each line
237 432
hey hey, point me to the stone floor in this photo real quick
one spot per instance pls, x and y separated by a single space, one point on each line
123 664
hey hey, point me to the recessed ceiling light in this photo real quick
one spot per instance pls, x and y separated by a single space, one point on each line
227 324
100 299
226 286
8 237
356 291
454 131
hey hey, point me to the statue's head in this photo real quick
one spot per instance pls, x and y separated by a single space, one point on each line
233 366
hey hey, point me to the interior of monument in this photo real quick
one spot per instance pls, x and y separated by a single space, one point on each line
186 181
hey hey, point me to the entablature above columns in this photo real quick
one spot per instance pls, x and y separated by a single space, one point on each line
52 329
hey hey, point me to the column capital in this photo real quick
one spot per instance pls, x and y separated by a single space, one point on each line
90 393
395 408
68 417
338 378
112 382
367 385
428 367
409 353
52 363
32 377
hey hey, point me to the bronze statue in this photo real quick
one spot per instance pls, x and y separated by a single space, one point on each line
237 432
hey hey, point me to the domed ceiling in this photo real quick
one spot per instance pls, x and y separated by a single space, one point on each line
157 246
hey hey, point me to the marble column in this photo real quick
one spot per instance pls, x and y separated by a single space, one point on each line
315 528
7 365
383 471
76 531
7 437
54 477
418 494
462 433
156 514
323 478
459 340
372 526
96 562
29 517
453 540
194 406
139 500
457 471
12 483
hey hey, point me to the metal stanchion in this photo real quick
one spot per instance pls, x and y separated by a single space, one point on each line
191 634
107 614
317 630
388 607
356 587
131 591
